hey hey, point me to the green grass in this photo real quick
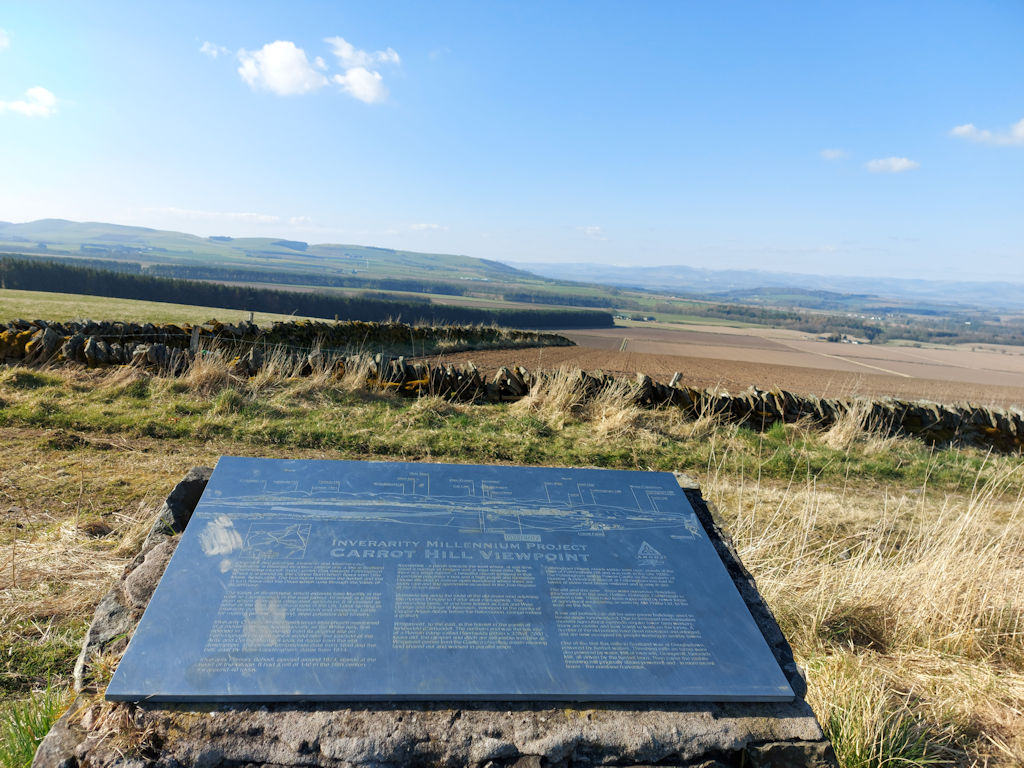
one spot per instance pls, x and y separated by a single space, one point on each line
896 739
29 661
24 723
288 415
32 305
871 726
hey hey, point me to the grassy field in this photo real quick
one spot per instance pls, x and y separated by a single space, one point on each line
65 306
894 569
32 305
98 240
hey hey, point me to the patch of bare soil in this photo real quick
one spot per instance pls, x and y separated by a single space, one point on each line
766 366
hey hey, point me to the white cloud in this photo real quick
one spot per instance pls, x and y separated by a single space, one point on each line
358 79
833 154
5 39
427 227
38 102
283 68
362 84
212 49
595 233
1012 137
280 67
892 165
300 221
186 213
349 56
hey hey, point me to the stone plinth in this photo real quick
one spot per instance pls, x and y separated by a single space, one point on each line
95 732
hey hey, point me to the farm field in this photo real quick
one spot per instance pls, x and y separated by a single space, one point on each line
34 305
736 358
730 356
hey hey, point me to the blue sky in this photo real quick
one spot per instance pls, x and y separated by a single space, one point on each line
850 138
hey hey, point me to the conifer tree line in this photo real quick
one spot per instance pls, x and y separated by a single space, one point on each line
240 274
53 276
410 284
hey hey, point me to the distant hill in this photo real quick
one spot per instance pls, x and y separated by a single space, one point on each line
781 288
281 261
58 237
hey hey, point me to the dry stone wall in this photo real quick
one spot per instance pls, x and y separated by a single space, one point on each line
168 349
937 424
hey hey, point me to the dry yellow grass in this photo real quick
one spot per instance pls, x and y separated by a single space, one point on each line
554 397
356 374
559 395
904 602
612 411
855 425
208 374
905 606
905 610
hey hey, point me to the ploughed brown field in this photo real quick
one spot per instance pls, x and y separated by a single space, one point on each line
735 358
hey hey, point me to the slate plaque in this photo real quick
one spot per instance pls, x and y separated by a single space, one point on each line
362 581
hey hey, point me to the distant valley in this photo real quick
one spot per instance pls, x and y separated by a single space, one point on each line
449 286
824 291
